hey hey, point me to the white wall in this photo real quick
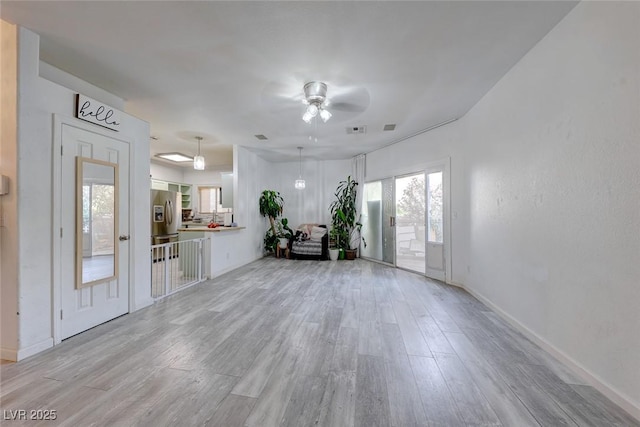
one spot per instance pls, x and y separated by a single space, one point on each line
310 205
166 173
554 185
251 173
38 100
545 173
9 202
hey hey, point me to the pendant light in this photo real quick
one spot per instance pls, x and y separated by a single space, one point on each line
300 184
198 161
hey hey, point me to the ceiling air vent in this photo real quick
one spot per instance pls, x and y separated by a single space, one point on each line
261 137
356 129
389 127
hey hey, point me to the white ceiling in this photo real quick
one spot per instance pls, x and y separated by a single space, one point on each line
230 70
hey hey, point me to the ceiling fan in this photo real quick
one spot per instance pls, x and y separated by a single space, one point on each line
322 99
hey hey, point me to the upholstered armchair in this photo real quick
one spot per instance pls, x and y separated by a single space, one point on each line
311 241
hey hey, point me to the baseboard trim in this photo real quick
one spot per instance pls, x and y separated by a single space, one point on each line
618 398
9 354
139 305
226 270
458 285
23 353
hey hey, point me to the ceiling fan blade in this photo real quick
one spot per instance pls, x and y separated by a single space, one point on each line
347 106
353 99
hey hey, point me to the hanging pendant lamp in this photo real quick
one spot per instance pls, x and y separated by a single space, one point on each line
300 184
198 161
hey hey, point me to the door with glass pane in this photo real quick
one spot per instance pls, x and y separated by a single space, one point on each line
435 244
410 222
378 221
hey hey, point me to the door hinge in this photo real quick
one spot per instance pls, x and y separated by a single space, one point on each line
60 314
61 232
61 150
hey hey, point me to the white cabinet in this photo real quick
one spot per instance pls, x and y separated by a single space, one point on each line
159 185
184 189
186 196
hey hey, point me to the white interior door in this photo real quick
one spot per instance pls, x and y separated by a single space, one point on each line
436 235
89 306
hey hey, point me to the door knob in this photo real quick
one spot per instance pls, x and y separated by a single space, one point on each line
123 238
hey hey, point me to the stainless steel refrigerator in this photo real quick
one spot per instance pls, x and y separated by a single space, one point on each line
166 216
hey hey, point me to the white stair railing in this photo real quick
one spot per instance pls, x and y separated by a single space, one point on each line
177 265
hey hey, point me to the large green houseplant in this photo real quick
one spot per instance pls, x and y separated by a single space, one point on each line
271 204
345 226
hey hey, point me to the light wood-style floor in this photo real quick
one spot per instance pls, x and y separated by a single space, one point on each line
306 343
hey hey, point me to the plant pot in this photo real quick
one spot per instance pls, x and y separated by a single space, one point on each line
333 254
284 242
350 254
341 254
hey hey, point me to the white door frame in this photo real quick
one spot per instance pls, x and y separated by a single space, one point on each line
56 285
429 272
445 164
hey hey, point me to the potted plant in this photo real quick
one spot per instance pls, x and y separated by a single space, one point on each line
284 233
334 251
271 204
343 218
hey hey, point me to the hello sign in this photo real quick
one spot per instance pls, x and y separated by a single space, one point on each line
97 113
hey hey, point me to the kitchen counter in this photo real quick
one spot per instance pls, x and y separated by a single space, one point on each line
201 227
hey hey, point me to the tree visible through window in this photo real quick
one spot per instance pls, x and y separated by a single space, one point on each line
97 217
436 208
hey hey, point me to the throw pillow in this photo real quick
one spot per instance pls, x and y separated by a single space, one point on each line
317 233
306 229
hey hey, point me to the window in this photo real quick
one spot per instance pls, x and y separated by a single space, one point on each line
210 200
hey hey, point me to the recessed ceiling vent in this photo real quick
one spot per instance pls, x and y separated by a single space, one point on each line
389 127
356 129
261 137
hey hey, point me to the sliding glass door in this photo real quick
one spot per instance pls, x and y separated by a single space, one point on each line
410 222
404 221
377 221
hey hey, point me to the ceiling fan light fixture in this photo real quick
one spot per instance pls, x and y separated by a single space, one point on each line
307 117
315 96
325 115
312 109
